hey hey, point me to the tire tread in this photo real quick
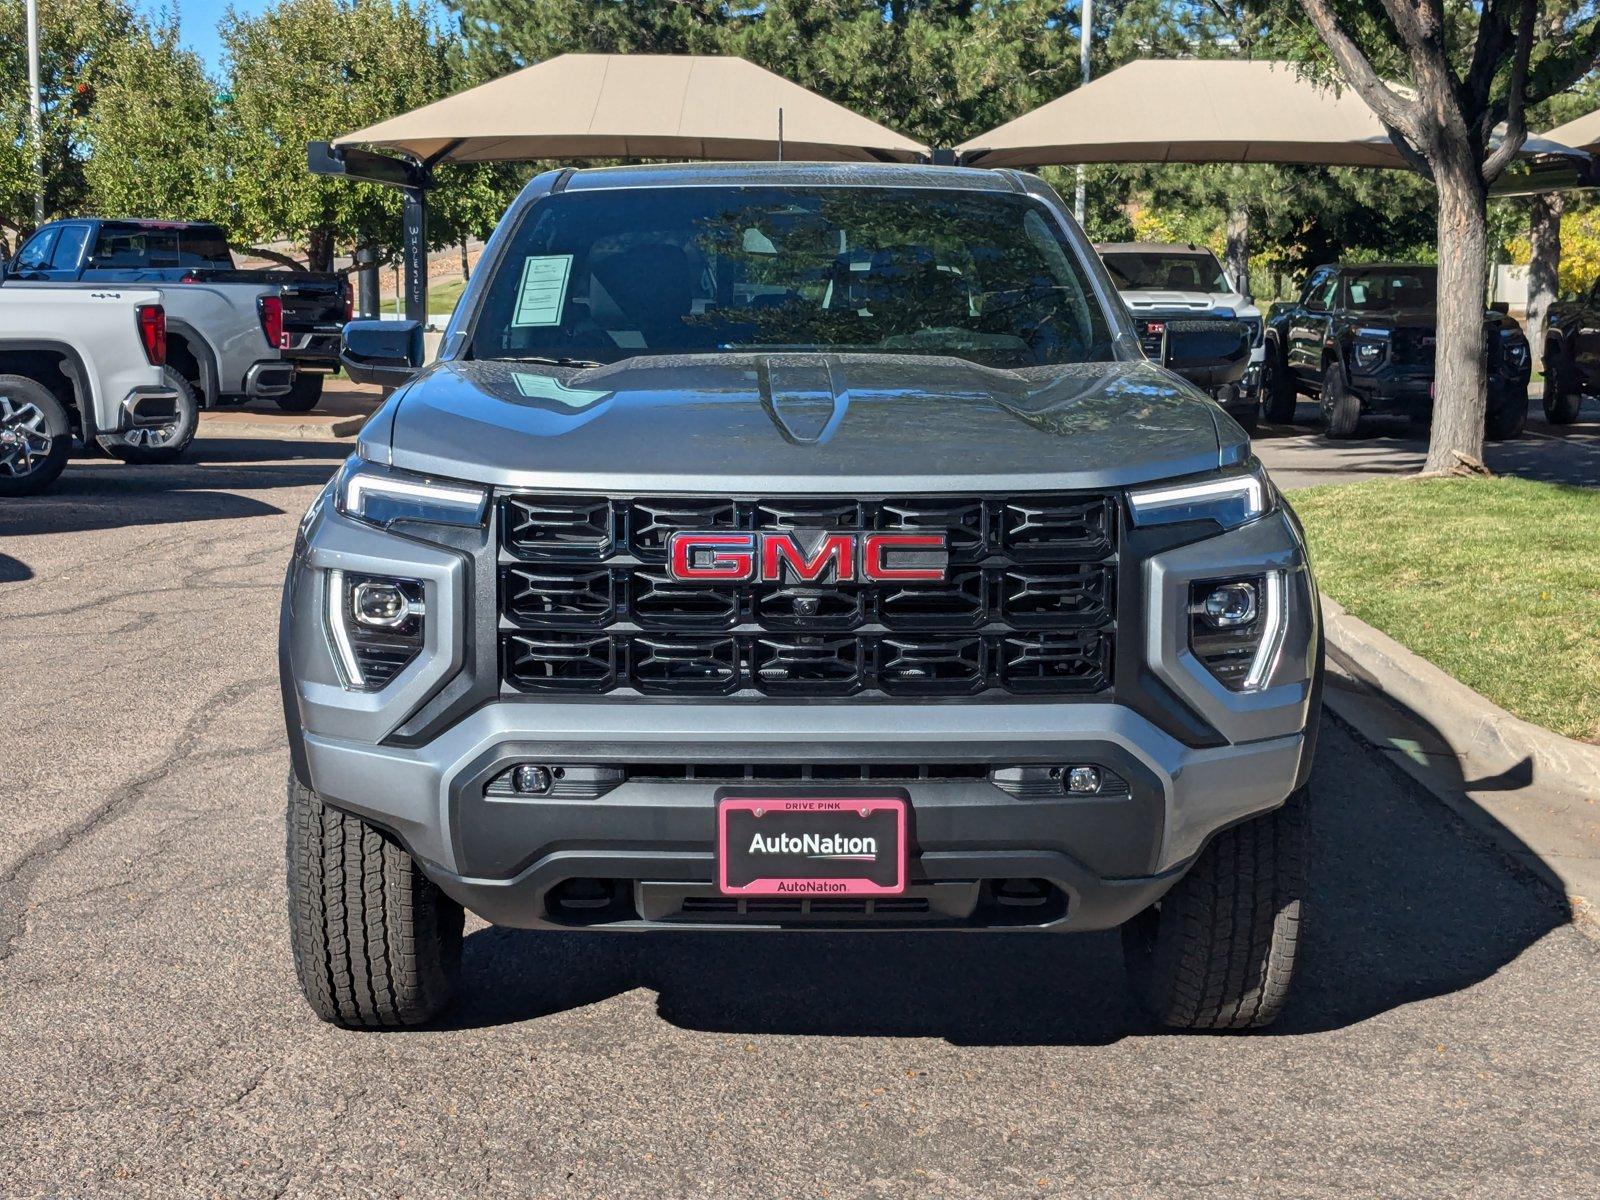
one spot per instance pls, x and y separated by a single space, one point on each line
1220 953
375 943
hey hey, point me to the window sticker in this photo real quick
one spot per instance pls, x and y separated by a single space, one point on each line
542 290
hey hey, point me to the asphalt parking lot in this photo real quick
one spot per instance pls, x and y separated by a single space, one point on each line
1442 1041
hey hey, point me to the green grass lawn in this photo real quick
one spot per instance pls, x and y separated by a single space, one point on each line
1495 580
442 299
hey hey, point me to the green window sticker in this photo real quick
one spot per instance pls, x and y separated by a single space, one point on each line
543 290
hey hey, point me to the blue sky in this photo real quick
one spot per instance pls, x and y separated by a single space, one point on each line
198 21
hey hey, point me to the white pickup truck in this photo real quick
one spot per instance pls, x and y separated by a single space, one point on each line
88 365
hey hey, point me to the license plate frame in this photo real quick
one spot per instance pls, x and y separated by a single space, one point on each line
836 864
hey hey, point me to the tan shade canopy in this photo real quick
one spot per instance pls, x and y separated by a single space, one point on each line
1581 134
637 106
1197 111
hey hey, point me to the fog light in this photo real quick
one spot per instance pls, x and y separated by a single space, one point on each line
379 604
532 780
1230 605
1083 781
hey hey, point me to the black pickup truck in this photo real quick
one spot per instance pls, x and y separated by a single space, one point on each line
1571 355
89 250
1361 341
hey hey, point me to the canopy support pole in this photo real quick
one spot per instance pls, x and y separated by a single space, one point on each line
413 180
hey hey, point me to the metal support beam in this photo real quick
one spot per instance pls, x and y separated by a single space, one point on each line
414 252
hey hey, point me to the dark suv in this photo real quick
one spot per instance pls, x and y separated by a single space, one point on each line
797 547
1361 340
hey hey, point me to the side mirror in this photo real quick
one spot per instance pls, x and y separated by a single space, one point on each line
1503 307
383 352
1207 353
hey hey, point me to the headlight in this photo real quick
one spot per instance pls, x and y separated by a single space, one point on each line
1236 628
1369 354
1229 500
1516 351
377 625
381 497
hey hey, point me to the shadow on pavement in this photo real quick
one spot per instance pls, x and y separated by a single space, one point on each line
100 494
1406 904
14 570
1384 446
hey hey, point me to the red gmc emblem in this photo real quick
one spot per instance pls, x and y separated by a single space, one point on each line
808 557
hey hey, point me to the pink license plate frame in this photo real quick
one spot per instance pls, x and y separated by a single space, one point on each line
792 884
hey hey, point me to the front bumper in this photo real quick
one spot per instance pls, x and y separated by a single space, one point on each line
502 855
391 758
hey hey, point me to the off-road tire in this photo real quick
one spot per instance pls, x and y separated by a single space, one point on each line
183 428
376 944
35 436
1340 405
1562 399
1218 951
1508 412
1278 395
306 393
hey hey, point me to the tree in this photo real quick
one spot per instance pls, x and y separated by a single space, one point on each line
1469 69
310 70
75 37
150 136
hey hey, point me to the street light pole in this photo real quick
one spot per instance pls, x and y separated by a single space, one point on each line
35 122
1087 19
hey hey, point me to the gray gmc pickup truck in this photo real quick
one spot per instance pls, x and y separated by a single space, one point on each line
797 547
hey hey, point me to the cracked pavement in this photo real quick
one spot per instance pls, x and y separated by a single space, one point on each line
1442 1040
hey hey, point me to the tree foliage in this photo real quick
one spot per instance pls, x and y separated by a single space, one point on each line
309 70
76 39
150 139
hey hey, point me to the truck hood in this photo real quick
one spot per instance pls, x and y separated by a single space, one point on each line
800 422
1423 317
1158 300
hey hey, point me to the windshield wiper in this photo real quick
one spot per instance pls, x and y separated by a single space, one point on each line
545 360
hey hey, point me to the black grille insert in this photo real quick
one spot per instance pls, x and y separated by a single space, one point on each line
587 605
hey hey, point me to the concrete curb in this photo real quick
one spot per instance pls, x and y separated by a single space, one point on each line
1533 793
1478 730
238 426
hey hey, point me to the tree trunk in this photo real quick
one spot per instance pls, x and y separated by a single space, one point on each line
1544 267
1460 381
319 249
466 267
1237 252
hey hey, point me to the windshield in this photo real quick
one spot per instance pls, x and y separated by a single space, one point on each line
1407 287
605 275
1191 271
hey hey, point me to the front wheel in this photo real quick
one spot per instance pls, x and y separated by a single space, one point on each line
162 443
1562 398
1218 951
1278 397
1508 412
376 943
35 436
1340 405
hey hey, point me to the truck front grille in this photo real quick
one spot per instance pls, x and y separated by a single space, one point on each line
587 605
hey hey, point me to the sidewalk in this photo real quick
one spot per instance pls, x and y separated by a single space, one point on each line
344 410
